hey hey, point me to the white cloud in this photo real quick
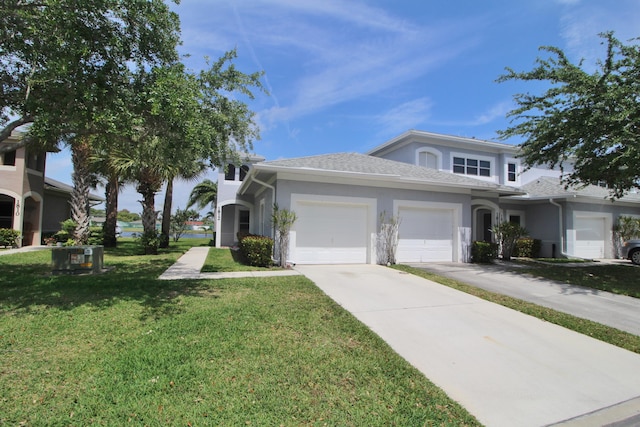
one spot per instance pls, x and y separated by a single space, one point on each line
342 51
582 24
495 112
409 115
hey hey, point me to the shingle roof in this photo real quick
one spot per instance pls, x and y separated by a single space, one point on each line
552 187
368 165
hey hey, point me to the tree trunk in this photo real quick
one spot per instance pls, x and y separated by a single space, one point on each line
80 152
111 221
148 188
166 215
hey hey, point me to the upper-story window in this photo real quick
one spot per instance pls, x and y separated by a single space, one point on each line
428 157
512 172
35 161
469 166
9 158
230 173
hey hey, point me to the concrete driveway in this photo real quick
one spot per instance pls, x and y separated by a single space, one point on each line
618 311
506 368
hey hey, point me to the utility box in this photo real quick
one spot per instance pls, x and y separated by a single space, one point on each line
77 260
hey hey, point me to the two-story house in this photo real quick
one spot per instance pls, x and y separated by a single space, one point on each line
22 191
446 191
30 202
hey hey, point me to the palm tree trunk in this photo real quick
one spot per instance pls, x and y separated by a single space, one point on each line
80 154
148 187
166 215
111 221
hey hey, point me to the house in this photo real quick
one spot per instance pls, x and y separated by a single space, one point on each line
30 202
447 191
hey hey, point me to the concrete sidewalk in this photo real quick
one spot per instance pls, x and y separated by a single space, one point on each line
506 368
618 311
189 265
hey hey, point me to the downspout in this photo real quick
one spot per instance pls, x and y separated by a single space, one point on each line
560 222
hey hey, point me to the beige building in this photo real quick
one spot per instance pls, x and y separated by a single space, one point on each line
29 202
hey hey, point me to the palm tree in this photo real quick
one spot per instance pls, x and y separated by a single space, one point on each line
192 170
203 194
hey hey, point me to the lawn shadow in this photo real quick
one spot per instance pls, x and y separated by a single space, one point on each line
30 287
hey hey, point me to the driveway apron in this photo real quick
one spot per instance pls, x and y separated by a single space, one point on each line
505 367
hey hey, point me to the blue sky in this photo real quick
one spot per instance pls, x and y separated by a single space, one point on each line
346 76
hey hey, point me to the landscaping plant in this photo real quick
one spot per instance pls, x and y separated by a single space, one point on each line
282 220
507 234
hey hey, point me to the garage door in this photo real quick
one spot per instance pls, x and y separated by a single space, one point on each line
425 235
590 237
330 233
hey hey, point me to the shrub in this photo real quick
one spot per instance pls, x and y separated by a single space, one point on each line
528 248
257 250
96 236
149 242
483 252
9 237
62 236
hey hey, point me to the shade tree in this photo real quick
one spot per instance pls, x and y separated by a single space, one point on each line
587 118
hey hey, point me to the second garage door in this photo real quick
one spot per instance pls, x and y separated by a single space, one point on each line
330 233
425 235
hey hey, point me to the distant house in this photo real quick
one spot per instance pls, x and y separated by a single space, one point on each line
29 202
447 192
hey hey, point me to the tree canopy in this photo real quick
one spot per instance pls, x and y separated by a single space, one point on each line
62 62
588 120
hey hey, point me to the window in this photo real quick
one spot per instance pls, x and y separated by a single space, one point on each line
230 173
471 166
515 219
511 172
244 170
9 158
427 160
35 161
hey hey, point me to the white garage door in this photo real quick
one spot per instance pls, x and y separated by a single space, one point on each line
425 235
330 233
590 237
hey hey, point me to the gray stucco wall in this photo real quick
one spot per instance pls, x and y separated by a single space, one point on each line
384 196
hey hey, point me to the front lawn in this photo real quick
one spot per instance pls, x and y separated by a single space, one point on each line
619 279
224 260
124 348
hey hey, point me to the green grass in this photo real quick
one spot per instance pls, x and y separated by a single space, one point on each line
562 260
223 260
596 330
619 279
124 348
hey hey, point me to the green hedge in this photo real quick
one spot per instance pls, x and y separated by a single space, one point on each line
257 250
9 237
528 248
483 252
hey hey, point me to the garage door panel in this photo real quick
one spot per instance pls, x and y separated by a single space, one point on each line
590 237
328 233
425 235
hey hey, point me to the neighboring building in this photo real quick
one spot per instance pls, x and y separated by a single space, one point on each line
233 211
29 202
447 191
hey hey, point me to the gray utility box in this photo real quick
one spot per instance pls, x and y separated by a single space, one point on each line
77 259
